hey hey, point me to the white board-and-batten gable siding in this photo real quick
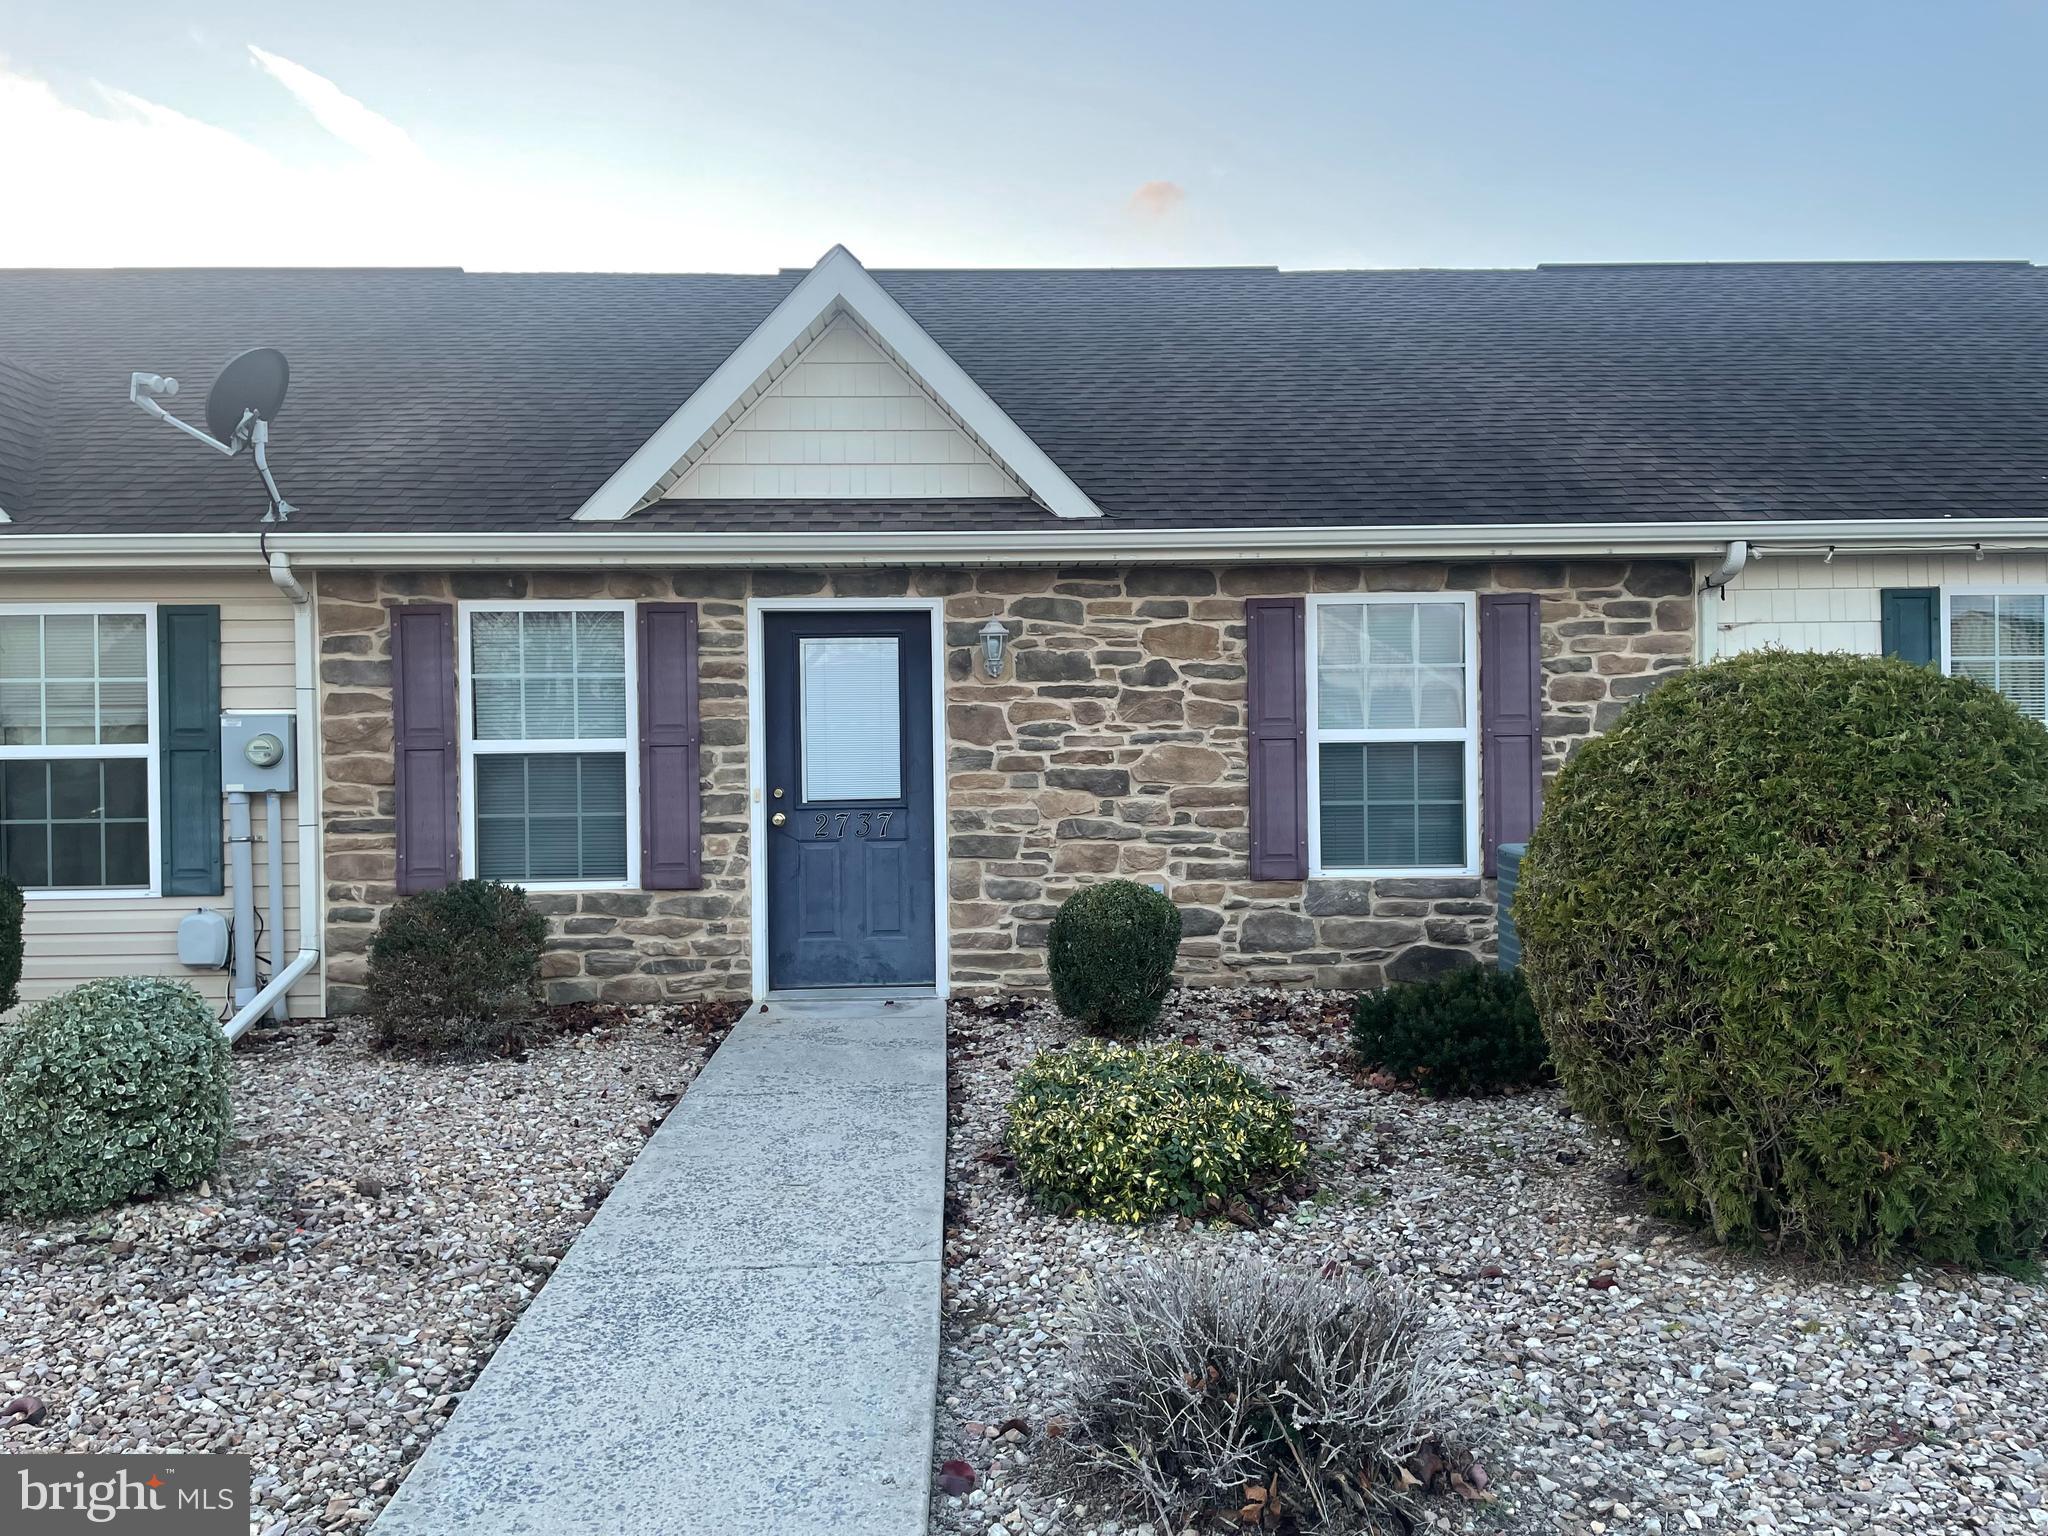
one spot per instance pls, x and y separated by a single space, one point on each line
844 420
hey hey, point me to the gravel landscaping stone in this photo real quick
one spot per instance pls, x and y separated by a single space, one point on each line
377 1227
1618 1372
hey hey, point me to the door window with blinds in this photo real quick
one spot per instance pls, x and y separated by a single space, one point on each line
852 718
77 773
2000 640
1394 718
549 756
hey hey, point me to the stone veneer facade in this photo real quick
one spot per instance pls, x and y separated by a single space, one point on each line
1113 744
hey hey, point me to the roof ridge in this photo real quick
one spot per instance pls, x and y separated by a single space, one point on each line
1135 271
264 271
1661 266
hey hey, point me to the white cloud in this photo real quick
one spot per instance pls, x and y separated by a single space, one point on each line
118 179
362 128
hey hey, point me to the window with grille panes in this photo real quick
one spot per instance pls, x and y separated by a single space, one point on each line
1394 724
549 743
2001 640
75 750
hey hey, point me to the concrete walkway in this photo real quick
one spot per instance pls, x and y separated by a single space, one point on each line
746 1337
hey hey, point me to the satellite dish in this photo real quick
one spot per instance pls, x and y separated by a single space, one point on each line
239 407
255 381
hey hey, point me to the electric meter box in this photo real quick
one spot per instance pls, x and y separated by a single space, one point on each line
256 752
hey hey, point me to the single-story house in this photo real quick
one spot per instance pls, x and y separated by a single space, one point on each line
825 629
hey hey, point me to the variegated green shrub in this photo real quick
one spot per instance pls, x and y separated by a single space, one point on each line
113 1090
1125 1133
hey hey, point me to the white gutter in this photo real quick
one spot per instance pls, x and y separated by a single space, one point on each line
1062 543
306 714
278 985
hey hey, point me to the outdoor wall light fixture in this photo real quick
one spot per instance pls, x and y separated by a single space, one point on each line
993 638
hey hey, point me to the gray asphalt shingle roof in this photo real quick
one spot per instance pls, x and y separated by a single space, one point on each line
21 431
437 399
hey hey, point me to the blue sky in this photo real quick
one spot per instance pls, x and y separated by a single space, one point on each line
746 136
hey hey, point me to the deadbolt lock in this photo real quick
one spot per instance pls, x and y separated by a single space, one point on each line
778 794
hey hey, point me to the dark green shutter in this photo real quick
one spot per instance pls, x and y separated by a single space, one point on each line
188 748
1911 619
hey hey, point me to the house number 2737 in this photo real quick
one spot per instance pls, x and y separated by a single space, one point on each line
833 824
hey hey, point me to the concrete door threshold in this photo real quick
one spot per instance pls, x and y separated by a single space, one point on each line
849 995
745 1339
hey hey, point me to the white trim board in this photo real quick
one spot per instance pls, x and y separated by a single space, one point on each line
757 810
1102 544
837 285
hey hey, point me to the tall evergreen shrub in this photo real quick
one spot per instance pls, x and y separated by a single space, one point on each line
1787 928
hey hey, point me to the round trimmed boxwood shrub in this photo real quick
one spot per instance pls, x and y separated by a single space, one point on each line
1473 1031
111 1091
1123 1133
1110 954
1787 927
457 968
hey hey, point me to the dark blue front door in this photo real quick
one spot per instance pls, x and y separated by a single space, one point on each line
847 715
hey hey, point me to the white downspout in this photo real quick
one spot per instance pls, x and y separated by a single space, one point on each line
272 991
287 581
307 701
1731 565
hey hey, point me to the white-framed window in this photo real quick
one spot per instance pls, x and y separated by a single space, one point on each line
1999 636
1393 709
550 755
78 768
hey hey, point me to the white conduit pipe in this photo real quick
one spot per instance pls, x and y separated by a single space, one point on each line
242 884
273 853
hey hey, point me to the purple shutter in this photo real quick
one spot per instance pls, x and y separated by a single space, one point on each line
423 734
671 750
1510 720
1276 707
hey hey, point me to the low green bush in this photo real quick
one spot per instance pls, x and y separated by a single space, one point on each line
457 968
113 1090
1473 1031
1785 927
1110 954
11 908
1124 1133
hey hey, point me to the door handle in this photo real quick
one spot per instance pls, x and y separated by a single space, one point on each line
777 819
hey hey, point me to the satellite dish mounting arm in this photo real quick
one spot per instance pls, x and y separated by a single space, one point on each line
251 432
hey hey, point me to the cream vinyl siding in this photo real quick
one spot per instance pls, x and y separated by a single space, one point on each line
1809 603
844 420
71 939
